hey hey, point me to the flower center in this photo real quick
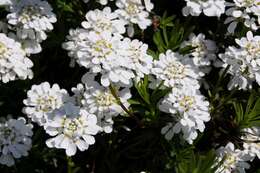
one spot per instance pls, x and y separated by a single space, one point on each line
175 70
29 13
70 127
103 24
248 3
187 102
6 132
105 99
200 48
102 47
253 49
46 103
230 160
132 8
3 49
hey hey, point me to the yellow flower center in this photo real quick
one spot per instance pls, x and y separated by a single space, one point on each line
3 49
187 102
46 103
132 9
103 47
175 70
29 13
105 99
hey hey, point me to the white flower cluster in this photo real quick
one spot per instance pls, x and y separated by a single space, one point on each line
130 12
5 2
42 100
15 140
209 7
203 51
73 120
101 48
189 110
99 100
174 70
28 20
244 11
243 62
187 106
135 12
234 160
71 126
13 61
251 140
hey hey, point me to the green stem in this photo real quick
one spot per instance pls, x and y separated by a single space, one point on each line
114 93
70 165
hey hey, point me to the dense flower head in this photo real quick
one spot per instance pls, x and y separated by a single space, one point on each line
203 52
117 59
5 2
104 20
31 19
134 12
71 128
42 99
15 140
235 160
246 11
189 110
99 101
209 8
175 70
139 60
13 61
244 61
251 138
134 85
76 40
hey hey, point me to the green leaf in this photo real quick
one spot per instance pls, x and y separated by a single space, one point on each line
198 163
251 116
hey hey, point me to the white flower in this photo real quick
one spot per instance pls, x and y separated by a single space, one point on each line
101 52
72 128
209 8
136 53
77 38
13 61
244 62
5 2
94 48
78 95
244 11
99 100
251 139
28 45
175 70
189 110
134 12
104 20
234 159
43 99
15 140
203 52
31 19
104 2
